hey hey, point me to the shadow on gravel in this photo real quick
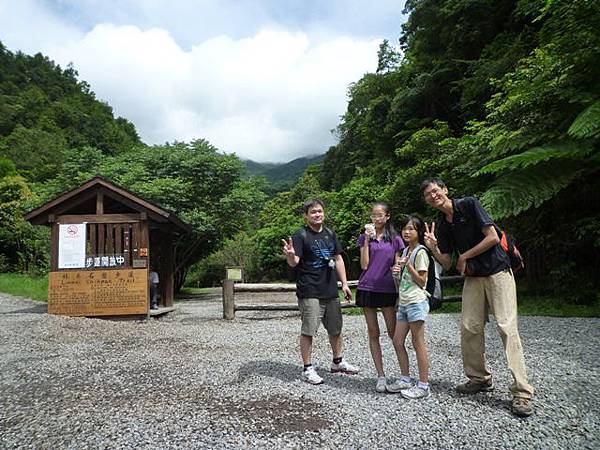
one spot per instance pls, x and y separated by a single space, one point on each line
496 399
282 371
37 309
289 373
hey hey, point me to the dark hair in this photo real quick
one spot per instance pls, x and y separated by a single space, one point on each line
389 232
311 204
418 224
427 181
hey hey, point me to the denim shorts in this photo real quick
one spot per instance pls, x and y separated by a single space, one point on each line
413 312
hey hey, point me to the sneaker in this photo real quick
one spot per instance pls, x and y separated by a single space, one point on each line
398 386
415 392
381 383
521 407
344 367
311 376
475 386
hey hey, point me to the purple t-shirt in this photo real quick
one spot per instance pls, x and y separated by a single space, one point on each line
378 276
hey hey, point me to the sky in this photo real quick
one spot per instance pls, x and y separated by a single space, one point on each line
267 80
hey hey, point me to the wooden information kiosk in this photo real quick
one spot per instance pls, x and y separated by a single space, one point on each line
104 242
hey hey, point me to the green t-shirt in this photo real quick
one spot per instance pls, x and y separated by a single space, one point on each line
409 291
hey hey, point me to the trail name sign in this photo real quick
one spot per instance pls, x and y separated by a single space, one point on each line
98 292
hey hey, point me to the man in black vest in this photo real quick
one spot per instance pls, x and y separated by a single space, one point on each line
466 228
315 252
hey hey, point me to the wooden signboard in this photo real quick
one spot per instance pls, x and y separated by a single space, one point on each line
98 292
233 273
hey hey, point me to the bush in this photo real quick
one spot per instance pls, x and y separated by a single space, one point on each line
240 251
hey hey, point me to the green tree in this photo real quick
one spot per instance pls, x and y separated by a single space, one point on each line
238 251
22 247
500 100
45 110
388 58
201 185
546 113
37 153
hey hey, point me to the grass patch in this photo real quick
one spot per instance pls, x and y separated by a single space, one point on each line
555 307
199 291
25 285
539 306
353 311
527 305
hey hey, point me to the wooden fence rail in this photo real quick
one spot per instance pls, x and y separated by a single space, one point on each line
230 288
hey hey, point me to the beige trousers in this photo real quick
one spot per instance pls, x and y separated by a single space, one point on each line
496 294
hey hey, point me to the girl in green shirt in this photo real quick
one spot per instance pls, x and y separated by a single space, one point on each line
413 307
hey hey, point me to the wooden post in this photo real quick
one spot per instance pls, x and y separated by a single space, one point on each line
168 274
100 204
54 247
228 300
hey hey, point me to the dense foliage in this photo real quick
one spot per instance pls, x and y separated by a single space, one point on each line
499 98
502 100
45 110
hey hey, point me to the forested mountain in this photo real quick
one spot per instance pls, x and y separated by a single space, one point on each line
45 110
282 176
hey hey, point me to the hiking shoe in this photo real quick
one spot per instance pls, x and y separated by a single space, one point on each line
475 386
311 376
398 386
521 407
415 392
380 386
344 367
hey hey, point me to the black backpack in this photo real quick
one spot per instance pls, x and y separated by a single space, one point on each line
433 287
507 242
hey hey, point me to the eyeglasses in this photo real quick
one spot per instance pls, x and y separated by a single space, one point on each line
380 216
434 191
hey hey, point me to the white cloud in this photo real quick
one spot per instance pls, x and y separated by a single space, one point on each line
270 97
24 24
266 80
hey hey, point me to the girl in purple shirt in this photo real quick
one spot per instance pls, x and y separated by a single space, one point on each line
376 287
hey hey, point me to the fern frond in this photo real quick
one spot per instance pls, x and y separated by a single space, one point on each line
575 150
512 142
523 189
587 124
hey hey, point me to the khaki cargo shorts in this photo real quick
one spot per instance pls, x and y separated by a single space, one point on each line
327 311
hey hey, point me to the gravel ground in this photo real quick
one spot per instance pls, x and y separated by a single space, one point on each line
192 380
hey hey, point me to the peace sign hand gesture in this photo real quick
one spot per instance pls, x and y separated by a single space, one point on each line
288 247
430 239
